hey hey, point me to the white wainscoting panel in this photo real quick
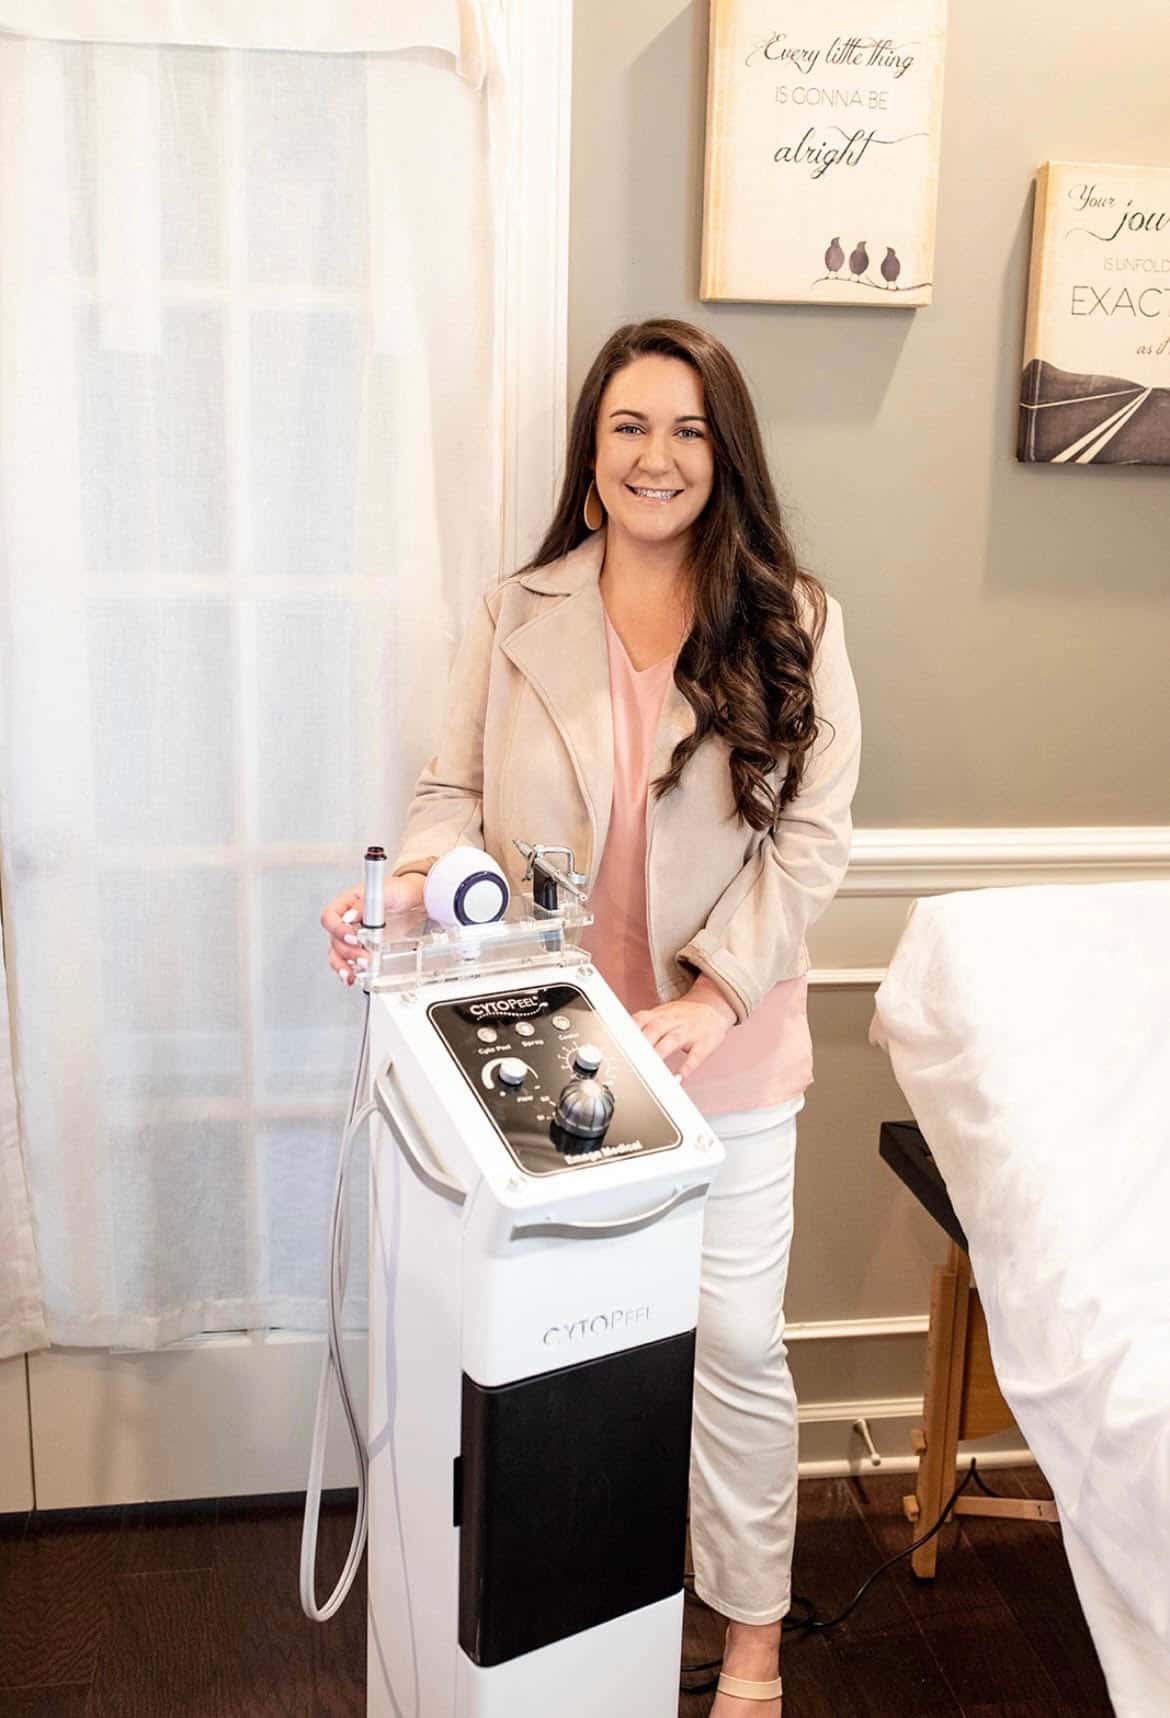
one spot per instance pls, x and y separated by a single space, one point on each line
218 1417
16 1479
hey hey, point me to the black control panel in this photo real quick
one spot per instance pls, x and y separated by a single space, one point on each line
552 1078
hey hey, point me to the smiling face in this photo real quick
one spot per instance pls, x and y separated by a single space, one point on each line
655 463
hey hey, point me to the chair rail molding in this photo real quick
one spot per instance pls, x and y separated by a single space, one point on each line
931 861
891 868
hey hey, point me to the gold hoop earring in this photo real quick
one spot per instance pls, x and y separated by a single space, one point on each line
592 495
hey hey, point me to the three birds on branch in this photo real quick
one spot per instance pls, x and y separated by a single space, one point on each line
891 266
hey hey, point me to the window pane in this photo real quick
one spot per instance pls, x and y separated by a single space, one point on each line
306 409
298 1167
78 87
309 699
305 153
171 1022
311 1024
191 138
170 1250
152 448
163 722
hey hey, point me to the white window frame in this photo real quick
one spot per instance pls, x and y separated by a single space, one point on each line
540 49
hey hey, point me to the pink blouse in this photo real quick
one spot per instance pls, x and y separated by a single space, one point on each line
767 1059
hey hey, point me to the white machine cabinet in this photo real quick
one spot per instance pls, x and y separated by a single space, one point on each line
533 1301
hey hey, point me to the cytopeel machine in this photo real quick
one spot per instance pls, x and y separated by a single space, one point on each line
537 1181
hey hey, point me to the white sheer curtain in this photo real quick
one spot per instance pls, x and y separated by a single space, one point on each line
250 478
22 1311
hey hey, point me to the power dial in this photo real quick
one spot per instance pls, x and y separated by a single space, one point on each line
587 1058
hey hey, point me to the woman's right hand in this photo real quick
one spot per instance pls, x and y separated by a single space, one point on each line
339 918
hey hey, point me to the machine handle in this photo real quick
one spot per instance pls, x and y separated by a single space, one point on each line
595 1230
435 1172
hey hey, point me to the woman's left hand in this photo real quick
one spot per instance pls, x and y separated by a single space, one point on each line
697 1023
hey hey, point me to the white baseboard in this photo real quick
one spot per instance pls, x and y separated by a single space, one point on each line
831 1445
857 1329
842 1467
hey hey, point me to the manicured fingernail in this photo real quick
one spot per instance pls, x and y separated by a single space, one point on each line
350 917
361 963
354 941
344 977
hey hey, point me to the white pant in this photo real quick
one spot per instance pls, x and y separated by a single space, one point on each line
744 1442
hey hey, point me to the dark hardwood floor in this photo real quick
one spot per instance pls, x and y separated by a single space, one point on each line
191 1611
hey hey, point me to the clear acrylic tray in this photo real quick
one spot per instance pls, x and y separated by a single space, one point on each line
413 950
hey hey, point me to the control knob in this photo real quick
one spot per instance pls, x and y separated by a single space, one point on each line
512 1071
585 1109
588 1058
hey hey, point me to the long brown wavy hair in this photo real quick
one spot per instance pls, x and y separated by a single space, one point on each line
745 667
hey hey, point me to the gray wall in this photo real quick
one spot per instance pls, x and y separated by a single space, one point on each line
1009 625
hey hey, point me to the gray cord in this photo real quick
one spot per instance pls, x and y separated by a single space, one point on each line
333 1363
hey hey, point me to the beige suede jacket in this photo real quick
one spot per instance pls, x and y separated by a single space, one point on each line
527 751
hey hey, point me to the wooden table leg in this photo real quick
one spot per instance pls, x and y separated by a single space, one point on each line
939 1441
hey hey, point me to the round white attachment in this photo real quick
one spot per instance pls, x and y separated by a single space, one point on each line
465 887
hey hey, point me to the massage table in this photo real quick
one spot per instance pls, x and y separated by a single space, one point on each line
1029 1030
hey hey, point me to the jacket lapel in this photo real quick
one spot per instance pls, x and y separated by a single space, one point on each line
675 722
562 653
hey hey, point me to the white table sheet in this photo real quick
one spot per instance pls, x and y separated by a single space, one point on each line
1030 1032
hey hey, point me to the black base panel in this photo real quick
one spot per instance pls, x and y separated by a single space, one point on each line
574 1497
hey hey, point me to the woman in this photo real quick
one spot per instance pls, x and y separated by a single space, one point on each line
666 692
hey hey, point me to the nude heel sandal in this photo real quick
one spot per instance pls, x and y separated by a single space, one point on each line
749 1690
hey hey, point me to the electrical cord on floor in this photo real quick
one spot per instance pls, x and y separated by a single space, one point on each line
810 1623
981 1483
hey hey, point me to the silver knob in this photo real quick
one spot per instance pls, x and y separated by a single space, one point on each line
513 1071
588 1058
585 1108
